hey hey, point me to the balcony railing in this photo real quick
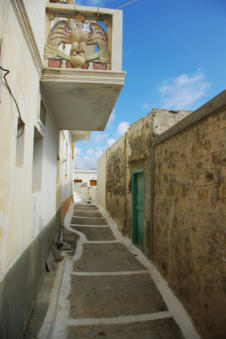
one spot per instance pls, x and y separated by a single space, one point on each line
81 37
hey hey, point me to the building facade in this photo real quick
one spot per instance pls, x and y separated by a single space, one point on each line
85 185
47 103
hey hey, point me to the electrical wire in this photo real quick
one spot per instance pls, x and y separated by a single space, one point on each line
128 3
10 92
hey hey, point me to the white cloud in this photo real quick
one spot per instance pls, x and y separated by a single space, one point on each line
146 106
89 151
88 159
99 152
99 136
123 127
112 116
77 151
111 119
111 141
85 162
184 91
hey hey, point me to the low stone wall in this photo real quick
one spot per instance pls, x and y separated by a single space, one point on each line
189 214
21 284
115 182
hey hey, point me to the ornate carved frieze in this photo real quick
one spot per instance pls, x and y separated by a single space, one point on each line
78 41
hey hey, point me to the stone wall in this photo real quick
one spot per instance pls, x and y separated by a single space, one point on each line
138 144
115 182
189 214
185 197
101 181
132 152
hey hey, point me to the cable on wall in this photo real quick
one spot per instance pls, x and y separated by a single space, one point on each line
20 123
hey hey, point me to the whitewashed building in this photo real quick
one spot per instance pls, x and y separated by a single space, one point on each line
85 185
52 93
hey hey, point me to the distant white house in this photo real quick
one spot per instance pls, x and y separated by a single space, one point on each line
85 184
86 176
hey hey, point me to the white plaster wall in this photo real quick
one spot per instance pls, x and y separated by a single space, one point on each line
36 13
85 175
23 214
93 193
81 190
117 29
49 169
15 183
101 180
85 192
66 166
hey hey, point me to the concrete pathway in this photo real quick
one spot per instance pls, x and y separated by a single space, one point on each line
106 292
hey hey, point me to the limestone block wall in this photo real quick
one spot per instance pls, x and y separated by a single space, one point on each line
101 180
185 203
131 152
189 214
115 182
138 144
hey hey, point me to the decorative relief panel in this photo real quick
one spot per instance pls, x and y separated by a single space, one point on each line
78 41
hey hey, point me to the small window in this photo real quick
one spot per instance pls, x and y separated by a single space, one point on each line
20 143
37 161
43 114
93 182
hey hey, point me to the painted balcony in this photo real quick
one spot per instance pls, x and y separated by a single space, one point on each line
82 74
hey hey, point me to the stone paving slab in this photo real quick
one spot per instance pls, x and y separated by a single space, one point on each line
85 208
88 221
112 296
107 258
96 233
155 329
87 214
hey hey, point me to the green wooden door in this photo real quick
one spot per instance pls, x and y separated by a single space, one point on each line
138 192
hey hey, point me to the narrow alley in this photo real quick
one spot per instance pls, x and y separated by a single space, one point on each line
113 169
106 291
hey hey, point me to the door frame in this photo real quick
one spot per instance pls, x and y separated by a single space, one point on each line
134 199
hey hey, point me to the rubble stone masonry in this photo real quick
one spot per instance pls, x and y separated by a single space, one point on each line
189 219
185 203
115 182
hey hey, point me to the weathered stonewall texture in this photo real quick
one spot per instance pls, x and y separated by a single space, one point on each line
132 151
115 182
190 220
185 203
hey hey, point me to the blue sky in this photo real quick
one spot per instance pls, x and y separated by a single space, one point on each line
174 53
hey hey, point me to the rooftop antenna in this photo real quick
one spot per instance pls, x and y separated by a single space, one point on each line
126 4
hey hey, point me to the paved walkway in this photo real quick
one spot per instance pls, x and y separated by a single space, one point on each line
106 292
